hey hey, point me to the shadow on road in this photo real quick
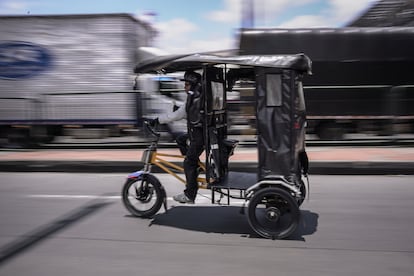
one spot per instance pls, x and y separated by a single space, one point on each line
32 238
225 220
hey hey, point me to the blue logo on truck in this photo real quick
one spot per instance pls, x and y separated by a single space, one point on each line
22 59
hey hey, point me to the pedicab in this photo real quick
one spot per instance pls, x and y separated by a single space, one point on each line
273 194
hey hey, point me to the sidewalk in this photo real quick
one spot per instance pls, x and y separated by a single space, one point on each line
323 160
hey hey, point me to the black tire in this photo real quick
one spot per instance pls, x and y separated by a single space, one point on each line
143 197
273 213
330 131
303 192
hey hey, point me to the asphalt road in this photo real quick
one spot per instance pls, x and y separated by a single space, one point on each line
75 224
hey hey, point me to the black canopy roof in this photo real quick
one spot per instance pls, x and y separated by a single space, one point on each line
173 63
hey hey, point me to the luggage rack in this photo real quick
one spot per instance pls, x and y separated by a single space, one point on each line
238 181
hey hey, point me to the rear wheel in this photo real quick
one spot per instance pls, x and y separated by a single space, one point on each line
273 213
303 191
143 197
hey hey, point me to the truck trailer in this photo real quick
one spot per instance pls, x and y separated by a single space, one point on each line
68 71
362 78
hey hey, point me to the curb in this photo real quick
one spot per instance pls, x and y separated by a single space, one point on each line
316 167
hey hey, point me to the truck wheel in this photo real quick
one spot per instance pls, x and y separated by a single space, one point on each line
330 131
18 137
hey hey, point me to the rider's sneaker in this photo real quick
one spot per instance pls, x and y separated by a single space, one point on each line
182 198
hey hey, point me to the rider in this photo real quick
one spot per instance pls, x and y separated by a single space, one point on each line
192 111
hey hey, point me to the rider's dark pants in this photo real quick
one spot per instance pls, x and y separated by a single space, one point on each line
194 151
181 140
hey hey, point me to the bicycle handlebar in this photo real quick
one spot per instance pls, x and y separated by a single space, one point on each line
152 129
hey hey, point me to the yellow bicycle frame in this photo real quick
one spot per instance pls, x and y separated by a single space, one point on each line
167 165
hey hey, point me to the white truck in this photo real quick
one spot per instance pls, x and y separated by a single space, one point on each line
60 71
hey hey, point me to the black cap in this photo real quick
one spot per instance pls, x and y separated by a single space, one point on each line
192 77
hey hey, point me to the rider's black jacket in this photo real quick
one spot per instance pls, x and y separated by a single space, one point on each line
195 108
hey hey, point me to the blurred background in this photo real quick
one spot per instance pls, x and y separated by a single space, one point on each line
66 72
67 82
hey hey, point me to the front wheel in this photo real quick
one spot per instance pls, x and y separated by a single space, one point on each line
143 197
273 213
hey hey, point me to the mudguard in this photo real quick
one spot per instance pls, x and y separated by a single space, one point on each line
279 181
135 175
